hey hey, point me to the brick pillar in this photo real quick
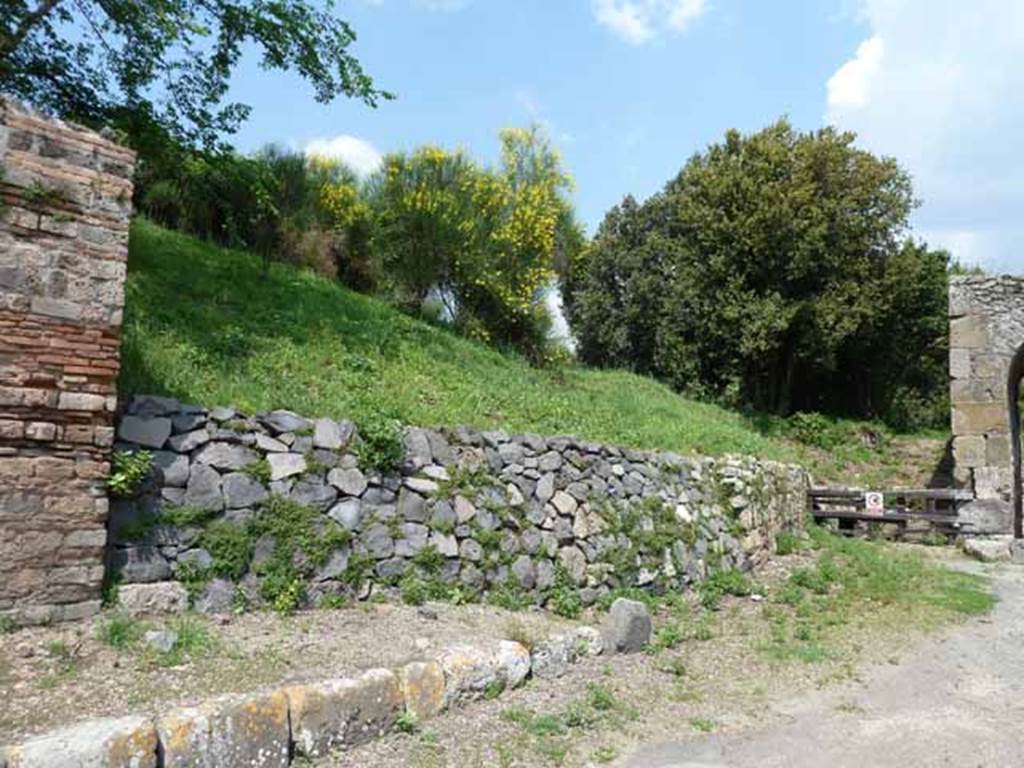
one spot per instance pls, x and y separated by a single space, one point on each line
65 204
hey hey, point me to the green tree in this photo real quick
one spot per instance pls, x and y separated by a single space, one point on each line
167 63
485 241
770 272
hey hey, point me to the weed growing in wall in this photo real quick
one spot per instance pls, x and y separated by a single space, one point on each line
128 471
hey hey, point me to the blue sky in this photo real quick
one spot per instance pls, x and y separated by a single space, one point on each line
628 89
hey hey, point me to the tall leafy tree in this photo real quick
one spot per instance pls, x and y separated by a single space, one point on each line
165 65
768 272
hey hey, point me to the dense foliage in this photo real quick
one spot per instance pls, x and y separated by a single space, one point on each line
772 271
165 65
484 242
432 230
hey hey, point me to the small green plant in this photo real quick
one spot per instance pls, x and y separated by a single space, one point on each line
331 602
380 443
510 597
604 754
787 542
128 470
674 666
703 630
729 582
7 625
702 724
600 697
121 631
230 546
289 598
407 722
186 515
258 470
564 598
193 640
494 689
666 636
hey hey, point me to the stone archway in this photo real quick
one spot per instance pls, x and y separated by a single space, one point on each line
986 362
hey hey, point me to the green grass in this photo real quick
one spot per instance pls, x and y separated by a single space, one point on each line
852 579
203 325
549 736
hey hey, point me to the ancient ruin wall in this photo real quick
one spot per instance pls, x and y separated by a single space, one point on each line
986 333
485 510
65 199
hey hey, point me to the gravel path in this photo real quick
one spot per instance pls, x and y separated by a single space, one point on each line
955 701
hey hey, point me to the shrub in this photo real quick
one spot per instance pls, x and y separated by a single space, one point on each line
121 631
380 443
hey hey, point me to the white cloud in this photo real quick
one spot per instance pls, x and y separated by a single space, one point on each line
937 85
639 21
359 155
848 88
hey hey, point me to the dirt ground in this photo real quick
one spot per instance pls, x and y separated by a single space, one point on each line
724 684
634 711
957 700
58 675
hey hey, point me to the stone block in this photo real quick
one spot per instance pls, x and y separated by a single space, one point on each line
471 672
980 418
969 450
41 430
988 549
627 627
340 713
993 482
986 517
969 332
997 450
960 363
149 433
160 598
422 685
228 732
284 465
126 742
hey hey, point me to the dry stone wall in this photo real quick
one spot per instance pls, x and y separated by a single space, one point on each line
260 508
65 197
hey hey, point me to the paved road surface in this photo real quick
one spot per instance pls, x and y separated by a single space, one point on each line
957 701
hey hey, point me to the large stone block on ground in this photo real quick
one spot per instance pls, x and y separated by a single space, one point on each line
338 713
125 742
161 597
470 673
229 732
422 685
986 516
989 549
627 627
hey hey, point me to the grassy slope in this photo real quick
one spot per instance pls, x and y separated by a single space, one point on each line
203 324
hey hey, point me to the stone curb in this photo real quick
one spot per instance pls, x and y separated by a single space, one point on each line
306 720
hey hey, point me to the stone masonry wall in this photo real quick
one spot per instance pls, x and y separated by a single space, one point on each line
481 510
986 330
65 197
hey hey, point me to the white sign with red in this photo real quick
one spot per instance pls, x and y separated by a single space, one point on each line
874 503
